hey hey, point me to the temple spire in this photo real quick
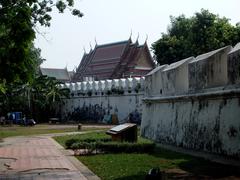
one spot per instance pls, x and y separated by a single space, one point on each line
137 38
146 39
90 46
95 41
130 34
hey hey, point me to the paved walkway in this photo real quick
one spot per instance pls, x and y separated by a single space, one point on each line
39 158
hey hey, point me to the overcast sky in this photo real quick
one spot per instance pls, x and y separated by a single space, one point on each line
112 20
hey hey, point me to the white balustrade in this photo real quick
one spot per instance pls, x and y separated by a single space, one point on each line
105 85
84 86
115 83
67 85
95 85
108 84
78 86
89 85
135 82
102 85
129 83
122 83
72 86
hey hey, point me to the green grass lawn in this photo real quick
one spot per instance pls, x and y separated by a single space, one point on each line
135 166
15 130
26 131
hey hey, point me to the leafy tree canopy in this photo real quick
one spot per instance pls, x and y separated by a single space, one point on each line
36 99
18 19
193 36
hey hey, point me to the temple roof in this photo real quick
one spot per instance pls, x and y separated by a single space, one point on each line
59 74
109 60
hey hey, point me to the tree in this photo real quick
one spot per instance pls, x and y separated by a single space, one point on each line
18 21
36 99
193 36
21 87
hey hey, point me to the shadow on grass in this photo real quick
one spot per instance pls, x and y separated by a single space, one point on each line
207 168
198 166
139 176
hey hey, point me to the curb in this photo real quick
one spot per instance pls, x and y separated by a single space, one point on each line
69 154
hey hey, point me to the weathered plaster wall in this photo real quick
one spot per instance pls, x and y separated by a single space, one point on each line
98 108
154 82
99 100
199 110
209 70
175 77
234 65
207 122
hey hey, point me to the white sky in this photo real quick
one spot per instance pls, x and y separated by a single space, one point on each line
113 20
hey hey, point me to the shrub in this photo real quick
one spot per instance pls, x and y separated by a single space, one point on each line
100 142
69 143
125 147
114 147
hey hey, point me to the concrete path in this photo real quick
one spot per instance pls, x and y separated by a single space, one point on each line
39 158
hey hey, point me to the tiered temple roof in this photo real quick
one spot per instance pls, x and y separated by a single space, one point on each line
115 60
60 74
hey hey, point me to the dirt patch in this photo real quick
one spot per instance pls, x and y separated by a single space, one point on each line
5 163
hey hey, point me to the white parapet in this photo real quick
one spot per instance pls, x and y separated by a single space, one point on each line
125 84
89 85
102 85
108 84
72 87
95 86
122 83
129 83
234 65
175 77
115 83
142 83
136 82
209 70
84 86
153 81
67 85
78 86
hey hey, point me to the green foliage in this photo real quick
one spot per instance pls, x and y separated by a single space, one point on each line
125 147
11 131
68 141
18 21
101 143
34 97
194 36
133 166
136 165
15 41
78 143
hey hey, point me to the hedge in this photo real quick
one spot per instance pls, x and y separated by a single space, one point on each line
70 142
112 147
